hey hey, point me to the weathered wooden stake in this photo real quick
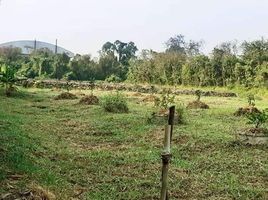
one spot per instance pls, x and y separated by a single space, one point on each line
171 119
166 155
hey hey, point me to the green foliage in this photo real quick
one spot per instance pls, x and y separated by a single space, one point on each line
198 94
108 65
251 100
181 64
7 78
113 79
258 118
181 114
82 68
166 99
115 103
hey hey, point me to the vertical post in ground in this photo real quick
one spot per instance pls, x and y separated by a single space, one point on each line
171 119
166 155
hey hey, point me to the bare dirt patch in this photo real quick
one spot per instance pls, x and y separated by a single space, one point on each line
31 193
149 98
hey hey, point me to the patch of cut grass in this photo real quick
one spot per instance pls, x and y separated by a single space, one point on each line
67 147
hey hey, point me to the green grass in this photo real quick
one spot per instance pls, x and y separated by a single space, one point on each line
64 147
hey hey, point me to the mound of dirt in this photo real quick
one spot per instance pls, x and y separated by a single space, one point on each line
89 100
149 98
197 105
65 95
34 193
136 94
246 110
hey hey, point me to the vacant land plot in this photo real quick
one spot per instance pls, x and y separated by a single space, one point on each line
80 151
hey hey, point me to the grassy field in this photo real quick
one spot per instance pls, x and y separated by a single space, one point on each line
81 152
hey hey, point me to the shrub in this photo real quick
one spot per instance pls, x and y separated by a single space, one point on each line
115 103
113 79
166 100
258 118
8 79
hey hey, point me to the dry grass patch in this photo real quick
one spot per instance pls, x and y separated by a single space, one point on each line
89 100
197 105
65 95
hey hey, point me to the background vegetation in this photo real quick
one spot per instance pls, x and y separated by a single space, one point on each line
182 63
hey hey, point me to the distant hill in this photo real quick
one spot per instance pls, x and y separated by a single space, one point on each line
27 46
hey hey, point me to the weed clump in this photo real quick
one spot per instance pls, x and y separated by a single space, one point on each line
89 100
115 103
248 110
65 95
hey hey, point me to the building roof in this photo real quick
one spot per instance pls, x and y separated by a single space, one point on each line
28 46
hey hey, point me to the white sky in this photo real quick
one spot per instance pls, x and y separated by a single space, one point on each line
83 26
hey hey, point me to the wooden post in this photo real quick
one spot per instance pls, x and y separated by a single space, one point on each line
166 155
171 118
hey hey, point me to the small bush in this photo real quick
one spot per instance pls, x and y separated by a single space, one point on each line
166 100
113 79
258 118
115 103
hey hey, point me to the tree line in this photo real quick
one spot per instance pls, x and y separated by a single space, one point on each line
182 63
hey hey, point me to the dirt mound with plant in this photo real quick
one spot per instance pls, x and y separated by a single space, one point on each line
197 105
89 100
33 193
65 95
246 111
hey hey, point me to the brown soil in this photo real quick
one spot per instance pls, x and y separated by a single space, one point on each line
33 193
65 95
246 110
255 132
137 94
197 105
89 100
149 98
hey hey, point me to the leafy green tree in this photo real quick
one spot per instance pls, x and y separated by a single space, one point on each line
38 64
197 71
82 68
108 65
123 51
11 56
176 44
60 65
